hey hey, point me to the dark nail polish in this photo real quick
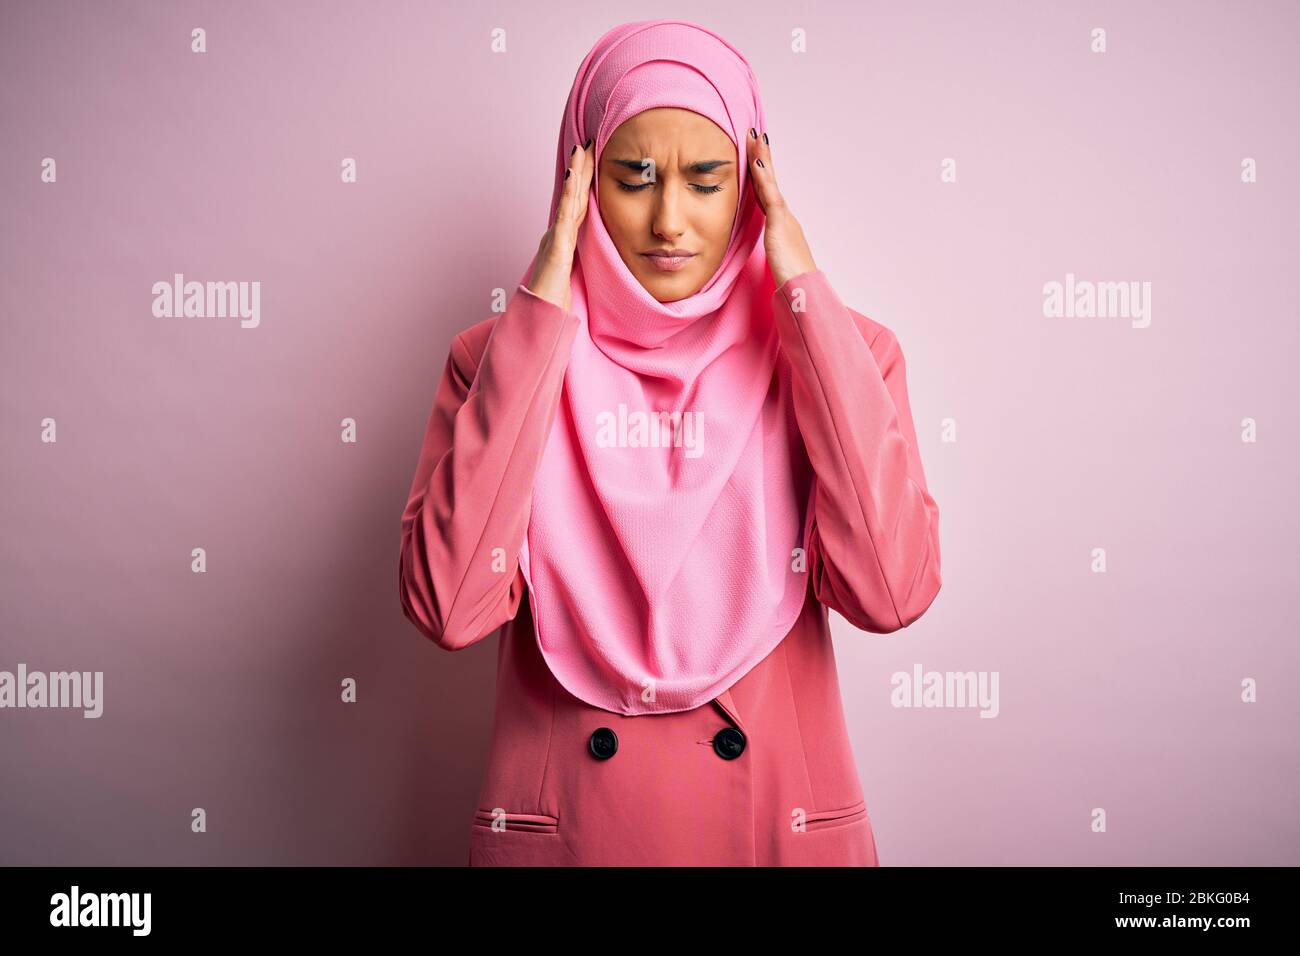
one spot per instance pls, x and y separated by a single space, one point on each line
568 172
752 134
574 150
587 144
765 137
760 162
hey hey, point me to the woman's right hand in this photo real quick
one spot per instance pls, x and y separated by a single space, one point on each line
554 263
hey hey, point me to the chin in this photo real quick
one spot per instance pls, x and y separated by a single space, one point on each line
669 287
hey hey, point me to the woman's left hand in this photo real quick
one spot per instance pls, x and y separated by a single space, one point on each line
788 254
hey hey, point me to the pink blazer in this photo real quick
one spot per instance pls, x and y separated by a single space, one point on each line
762 775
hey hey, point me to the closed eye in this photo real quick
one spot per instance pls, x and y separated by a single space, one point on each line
695 186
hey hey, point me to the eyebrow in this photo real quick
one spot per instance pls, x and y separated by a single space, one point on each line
703 166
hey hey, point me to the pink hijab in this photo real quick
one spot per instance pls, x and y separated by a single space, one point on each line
660 561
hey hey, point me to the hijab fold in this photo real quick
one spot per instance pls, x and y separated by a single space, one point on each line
673 489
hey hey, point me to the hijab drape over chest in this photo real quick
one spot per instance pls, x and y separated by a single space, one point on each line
673 490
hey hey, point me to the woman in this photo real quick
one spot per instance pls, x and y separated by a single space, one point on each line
684 448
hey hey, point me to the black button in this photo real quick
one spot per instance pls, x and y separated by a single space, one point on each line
603 743
729 743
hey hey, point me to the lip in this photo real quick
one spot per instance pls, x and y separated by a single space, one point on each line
666 261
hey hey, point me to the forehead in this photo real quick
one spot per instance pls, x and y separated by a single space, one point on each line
671 128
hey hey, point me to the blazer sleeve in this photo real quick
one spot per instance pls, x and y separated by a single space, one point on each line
873 549
467 511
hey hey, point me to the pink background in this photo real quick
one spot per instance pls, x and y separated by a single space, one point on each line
1118 690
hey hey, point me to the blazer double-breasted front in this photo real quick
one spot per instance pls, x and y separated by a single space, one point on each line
764 774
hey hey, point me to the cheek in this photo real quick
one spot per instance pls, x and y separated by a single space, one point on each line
719 226
625 225
615 214
721 221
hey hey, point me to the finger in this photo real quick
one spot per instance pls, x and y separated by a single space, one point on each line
765 151
760 168
581 173
588 176
564 209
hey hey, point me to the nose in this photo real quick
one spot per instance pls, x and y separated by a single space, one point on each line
667 222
